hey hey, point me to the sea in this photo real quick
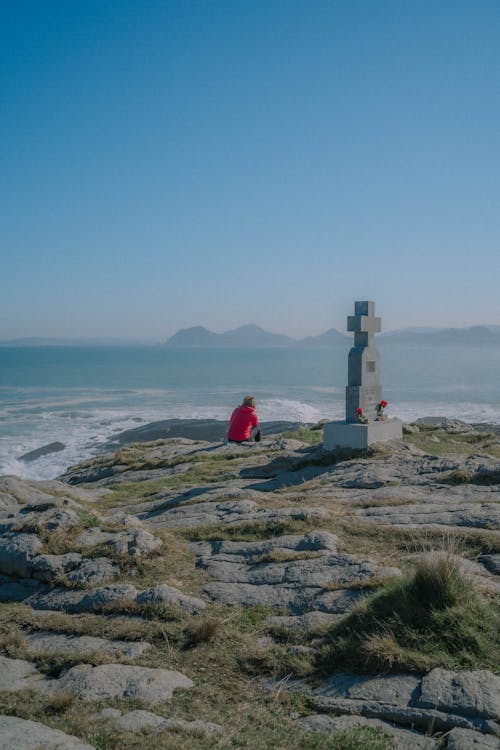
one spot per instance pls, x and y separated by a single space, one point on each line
83 396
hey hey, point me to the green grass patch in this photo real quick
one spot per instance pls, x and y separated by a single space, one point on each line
433 616
305 434
247 532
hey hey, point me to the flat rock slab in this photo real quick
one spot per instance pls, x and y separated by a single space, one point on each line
19 589
17 674
93 600
113 597
120 681
133 542
169 595
232 512
399 690
416 717
297 600
54 643
465 739
470 693
22 734
297 585
16 553
477 515
403 739
135 721
491 563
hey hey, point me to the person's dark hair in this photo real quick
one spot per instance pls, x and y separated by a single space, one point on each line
249 401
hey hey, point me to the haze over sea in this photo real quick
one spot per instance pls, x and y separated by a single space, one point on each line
82 396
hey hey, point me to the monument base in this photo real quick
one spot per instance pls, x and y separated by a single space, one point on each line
359 436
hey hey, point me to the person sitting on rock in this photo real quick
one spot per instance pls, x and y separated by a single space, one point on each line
244 423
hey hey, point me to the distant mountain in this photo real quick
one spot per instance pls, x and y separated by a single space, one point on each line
329 338
244 336
253 336
474 336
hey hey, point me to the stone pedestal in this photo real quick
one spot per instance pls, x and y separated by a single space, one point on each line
360 436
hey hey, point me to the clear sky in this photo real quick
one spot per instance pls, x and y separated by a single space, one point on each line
167 164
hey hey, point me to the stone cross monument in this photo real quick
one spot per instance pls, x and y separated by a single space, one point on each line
363 384
363 424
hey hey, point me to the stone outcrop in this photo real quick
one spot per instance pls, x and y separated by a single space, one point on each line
279 526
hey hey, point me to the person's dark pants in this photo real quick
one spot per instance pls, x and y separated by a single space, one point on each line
257 439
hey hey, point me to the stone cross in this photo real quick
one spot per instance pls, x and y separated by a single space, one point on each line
363 383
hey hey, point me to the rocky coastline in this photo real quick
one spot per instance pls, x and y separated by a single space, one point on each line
177 592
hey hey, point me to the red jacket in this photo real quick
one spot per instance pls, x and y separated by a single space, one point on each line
243 419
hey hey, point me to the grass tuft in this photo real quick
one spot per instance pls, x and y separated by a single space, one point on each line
431 617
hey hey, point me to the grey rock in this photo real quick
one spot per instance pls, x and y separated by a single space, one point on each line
133 542
233 512
120 681
107 596
414 716
54 447
476 515
50 567
316 572
22 734
135 721
466 739
474 693
93 571
53 519
398 690
296 585
99 599
403 739
492 563
17 674
17 590
163 594
54 643
57 599
313 541
16 553
295 600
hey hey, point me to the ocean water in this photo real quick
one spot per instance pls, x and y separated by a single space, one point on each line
82 396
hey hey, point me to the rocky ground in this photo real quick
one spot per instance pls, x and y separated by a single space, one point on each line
187 594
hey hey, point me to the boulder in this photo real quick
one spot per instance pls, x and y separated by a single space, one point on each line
22 734
94 571
135 721
475 693
50 567
17 552
163 594
54 643
17 674
466 739
120 681
133 542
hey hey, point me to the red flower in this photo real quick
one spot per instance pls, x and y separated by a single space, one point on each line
383 404
359 410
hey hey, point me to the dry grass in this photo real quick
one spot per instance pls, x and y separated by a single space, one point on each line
433 616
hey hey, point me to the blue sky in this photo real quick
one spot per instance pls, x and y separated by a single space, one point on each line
166 164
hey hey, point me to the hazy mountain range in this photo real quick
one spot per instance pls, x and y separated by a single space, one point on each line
253 336
249 336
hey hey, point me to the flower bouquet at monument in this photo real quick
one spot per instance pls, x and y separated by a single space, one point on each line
362 418
381 417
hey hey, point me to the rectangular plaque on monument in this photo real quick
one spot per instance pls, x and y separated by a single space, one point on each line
364 421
